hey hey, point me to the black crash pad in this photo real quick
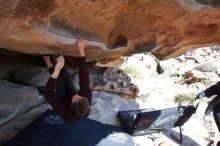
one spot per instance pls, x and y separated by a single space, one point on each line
50 130
143 121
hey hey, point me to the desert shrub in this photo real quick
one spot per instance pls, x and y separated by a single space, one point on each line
133 71
182 98
206 67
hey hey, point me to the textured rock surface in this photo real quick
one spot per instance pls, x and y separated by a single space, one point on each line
16 99
112 28
108 114
101 79
36 76
110 80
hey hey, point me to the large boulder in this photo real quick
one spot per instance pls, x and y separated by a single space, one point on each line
101 79
108 114
36 76
110 80
16 99
112 28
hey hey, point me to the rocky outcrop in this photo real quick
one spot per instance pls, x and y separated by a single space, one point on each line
112 28
105 107
36 76
110 80
101 79
16 99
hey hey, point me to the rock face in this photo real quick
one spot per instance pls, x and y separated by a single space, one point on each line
110 80
17 101
101 79
112 28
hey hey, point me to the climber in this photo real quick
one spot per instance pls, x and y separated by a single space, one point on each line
213 90
60 91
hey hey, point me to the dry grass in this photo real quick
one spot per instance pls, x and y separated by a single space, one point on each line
133 71
182 98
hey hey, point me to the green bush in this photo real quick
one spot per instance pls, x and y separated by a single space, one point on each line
133 71
181 98
206 67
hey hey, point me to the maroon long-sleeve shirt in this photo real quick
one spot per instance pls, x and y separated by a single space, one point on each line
64 108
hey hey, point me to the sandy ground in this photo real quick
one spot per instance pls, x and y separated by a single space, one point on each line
158 90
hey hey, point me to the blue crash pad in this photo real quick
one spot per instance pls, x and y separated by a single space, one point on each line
50 130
